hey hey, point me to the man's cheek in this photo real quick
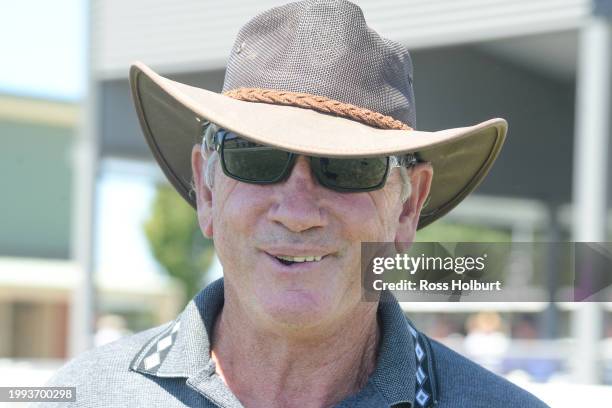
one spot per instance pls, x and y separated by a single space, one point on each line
374 230
232 215
359 220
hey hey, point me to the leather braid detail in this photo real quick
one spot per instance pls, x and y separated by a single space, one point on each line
318 103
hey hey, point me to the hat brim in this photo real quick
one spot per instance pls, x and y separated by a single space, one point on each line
171 116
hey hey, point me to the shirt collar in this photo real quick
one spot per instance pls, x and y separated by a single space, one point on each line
187 354
394 375
182 349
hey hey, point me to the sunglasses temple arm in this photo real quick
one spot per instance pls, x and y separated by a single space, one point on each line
408 160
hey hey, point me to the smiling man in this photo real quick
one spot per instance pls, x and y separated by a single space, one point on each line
310 150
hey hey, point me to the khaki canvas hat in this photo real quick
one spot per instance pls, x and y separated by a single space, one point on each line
311 77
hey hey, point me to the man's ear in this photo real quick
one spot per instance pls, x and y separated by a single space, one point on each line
421 176
202 192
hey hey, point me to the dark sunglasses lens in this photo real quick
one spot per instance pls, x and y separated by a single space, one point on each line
253 162
351 174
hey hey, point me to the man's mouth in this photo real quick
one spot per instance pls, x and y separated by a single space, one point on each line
289 260
301 259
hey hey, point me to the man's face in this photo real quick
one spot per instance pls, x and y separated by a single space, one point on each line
253 225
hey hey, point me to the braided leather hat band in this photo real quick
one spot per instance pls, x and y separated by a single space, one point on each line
317 103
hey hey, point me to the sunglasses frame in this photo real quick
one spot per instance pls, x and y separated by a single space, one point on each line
408 160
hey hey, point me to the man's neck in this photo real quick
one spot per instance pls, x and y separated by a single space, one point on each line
267 370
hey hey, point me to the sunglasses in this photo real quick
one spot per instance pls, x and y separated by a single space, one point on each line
254 163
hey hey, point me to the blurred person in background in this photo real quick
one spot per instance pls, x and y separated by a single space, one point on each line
290 169
445 329
486 341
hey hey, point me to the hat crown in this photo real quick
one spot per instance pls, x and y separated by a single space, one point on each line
325 48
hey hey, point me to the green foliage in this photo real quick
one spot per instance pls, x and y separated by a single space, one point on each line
176 240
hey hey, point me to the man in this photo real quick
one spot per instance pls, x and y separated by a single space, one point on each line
290 170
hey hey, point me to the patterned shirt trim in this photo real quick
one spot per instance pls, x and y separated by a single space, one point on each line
425 387
151 356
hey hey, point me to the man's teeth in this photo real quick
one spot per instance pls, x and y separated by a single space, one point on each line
300 258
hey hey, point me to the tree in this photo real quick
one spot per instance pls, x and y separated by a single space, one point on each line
176 240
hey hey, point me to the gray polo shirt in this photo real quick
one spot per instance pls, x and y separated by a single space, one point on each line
170 366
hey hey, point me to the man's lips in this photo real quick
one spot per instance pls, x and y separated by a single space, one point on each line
295 262
301 251
290 256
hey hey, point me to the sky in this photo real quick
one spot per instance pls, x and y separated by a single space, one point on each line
42 48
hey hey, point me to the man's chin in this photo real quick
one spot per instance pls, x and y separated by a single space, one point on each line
296 309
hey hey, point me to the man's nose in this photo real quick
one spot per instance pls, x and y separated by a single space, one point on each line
297 203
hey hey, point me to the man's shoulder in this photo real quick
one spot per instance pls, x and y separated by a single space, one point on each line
104 370
113 357
461 382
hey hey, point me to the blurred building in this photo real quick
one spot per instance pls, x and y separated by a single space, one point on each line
542 65
38 274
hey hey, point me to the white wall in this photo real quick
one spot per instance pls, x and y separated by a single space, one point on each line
198 34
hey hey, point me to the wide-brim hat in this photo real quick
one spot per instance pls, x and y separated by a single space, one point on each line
311 78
